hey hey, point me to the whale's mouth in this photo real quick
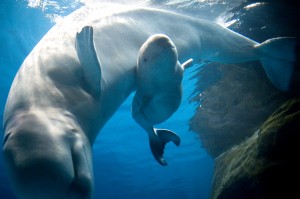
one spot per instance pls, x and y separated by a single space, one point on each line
157 54
164 53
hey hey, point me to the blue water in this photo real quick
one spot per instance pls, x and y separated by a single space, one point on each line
123 164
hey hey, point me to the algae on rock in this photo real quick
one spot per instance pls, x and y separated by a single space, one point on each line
265 165
234 106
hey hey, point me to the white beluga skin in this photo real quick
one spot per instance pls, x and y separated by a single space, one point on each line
158 96
77 76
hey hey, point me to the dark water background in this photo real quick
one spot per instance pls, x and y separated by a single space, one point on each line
123 165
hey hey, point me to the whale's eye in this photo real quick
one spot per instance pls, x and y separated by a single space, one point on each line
73 130
145 59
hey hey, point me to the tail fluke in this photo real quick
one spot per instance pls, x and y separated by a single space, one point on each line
158 142
278 57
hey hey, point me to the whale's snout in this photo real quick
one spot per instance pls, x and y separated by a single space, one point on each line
44 164
162 41
156 49
159 44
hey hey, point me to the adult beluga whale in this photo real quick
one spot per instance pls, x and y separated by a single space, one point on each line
77 76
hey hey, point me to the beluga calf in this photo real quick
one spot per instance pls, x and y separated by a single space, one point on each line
85 67
158 90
